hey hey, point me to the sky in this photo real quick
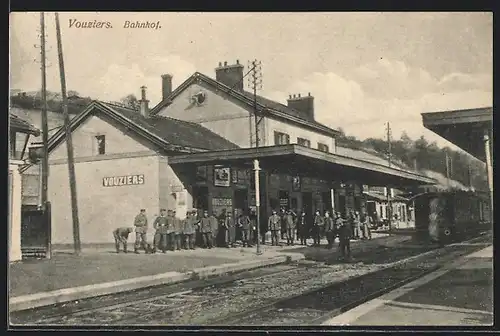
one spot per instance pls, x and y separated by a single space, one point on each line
363 69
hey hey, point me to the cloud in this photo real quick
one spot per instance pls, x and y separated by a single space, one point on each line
379 92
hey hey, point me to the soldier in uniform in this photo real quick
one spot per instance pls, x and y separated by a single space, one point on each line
317 228
161 237
274 224
282 223
246 225
189 230
263 229
169 230
290 227
302 228
214 223
176 232
229 230
345 234
329 229
141 228
121 237
206 230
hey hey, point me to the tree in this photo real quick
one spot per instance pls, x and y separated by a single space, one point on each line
73 93
341 131
130 101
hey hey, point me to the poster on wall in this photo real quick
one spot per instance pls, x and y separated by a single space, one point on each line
296 183
221 205
234 176
222 176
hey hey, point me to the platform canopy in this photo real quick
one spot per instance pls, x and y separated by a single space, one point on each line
295 159
463 128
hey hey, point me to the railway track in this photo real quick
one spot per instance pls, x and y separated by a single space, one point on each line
281 294
318 305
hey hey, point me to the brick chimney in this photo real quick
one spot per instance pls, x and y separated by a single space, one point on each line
304 104
144 108
166 85
230 75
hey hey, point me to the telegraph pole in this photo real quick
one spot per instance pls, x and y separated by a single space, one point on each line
69 143
45 138
389 158
256 83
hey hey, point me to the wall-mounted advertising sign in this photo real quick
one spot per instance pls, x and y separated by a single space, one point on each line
118 181
222 176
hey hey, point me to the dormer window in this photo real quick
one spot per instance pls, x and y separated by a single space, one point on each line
281 138
303 142
101 144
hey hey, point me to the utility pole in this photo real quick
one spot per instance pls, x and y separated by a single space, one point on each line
69 142
256 83
45 138
389 158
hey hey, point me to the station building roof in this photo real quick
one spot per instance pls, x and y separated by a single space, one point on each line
463 128
296 158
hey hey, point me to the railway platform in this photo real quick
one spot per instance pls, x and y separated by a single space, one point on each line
457 295
100 271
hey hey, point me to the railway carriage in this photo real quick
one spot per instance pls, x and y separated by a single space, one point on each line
449 216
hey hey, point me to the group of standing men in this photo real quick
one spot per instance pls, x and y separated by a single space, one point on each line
351 225
172 233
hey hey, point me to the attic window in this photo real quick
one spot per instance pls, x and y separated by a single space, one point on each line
101 144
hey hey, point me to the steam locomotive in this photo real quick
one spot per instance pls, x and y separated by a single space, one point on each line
450 216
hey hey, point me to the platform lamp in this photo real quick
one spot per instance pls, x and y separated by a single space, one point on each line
256 169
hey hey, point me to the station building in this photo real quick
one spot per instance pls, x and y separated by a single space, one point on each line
195 149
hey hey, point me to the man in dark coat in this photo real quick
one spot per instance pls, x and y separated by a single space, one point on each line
282 224
274 225
206 230
317 228
302 228
121 237
161 236
289 227
263 229
246 225
345 234
329 229
189 230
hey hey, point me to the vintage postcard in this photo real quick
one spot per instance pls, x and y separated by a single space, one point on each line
327 169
